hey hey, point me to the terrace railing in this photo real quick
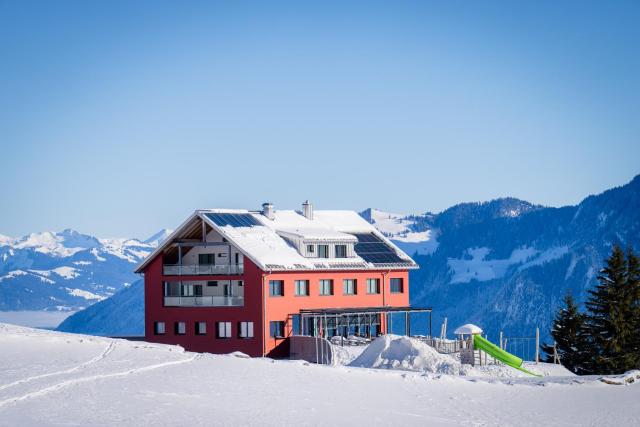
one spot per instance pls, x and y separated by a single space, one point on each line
204 301
201 269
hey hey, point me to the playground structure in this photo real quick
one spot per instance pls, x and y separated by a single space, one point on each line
472 347
471 337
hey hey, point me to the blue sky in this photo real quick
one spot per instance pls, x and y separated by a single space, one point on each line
120 118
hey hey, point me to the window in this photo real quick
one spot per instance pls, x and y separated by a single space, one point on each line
172 289
373 286
189 290
237 258
302 288
323 251
245 330
295 324
186 290
224 329
240 283
276 329
206 259
311 249
158 328
212 283
349 287
201 328
341 251
396 286
180 328
276 288
326 287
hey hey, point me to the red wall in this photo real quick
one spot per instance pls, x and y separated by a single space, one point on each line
280 308
277 308
251 312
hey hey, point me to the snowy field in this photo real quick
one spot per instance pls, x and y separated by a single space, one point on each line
50 378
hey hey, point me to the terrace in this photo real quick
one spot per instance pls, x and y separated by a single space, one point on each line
201 251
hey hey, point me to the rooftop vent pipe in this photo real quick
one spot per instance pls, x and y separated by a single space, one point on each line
307 209
267 210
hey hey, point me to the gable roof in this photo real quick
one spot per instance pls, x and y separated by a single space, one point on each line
266 241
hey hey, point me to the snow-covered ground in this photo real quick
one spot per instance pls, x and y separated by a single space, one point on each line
36 319
50 378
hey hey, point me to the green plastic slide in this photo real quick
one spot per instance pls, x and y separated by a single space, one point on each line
496 352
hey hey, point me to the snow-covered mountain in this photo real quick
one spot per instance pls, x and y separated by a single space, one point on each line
506 264
66 270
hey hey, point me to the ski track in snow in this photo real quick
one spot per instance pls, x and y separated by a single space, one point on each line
96 359
81 380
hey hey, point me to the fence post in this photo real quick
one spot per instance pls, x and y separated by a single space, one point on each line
501 346
537 345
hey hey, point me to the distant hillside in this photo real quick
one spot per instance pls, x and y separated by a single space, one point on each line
120 315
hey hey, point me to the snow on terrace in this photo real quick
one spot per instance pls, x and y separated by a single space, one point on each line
265 244
51 378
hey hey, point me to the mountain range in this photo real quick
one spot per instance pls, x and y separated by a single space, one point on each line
506 264
503 264
67 270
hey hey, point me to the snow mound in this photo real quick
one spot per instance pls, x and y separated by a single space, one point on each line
408 354
627 378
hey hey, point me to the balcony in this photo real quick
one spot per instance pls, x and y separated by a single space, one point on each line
204 301
202 269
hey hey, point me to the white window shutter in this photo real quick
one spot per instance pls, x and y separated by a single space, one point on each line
228 329
250 329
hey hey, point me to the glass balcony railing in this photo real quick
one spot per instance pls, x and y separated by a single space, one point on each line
204 301
201 269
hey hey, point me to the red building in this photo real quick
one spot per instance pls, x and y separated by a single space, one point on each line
238 280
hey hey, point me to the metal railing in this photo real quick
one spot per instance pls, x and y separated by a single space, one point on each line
198 269
443 346
204 301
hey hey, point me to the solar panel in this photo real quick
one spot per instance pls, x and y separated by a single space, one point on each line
374 250
232 219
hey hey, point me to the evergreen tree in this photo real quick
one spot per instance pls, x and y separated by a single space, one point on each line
633 288
569 334
612 316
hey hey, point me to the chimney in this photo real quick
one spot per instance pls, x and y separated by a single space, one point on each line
307 209
267 210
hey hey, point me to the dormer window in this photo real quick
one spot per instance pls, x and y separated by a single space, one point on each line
341 251
323 251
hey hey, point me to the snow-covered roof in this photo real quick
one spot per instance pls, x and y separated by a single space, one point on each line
264 240
317 234
468 329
